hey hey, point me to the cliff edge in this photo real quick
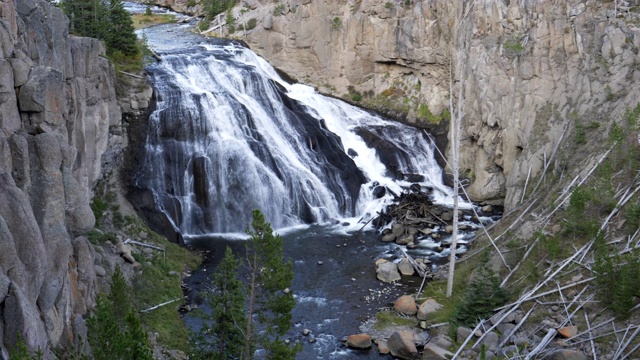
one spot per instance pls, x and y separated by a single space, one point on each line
57 100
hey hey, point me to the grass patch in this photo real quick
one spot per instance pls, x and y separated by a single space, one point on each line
386 319
141 21
156 285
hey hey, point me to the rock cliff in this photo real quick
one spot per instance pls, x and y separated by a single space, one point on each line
533 72
57 100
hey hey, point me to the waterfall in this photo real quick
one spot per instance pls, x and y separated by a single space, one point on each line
229 136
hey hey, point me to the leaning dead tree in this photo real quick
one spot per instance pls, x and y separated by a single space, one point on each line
460 47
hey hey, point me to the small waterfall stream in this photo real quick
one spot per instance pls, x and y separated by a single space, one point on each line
229 135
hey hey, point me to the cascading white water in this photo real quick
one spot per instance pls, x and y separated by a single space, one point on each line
229 135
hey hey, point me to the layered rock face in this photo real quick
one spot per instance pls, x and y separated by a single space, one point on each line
532 71
57 99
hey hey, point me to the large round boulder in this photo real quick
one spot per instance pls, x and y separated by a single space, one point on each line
406 305
387 272
359 341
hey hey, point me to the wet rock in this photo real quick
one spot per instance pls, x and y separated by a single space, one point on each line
447 216
415 188
320 262
387 272
405 239
487 209
406 305
405 267
397 229
352 152
434 352
388 237
359 341
429 306
306 332
379 191
401 345
383 347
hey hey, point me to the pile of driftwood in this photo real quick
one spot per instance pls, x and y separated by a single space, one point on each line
416 210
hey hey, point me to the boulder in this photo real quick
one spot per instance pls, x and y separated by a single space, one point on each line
567 354
401 345
267 22
447 216
406 305
397 229
100 271
405 267
383 347
434 352
462 333
388 237
429 306
442 341
568 331
124 250
387 272
491 340
487 209
405 239
381 261
359 341
379 191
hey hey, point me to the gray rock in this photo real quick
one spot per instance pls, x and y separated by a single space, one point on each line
505 328
21 318
100 271
405 267
447 216
388 237
387 272
491 340
397 229
267 22
442 341
21 65
429 306
405 239
401 345
462 333
434 352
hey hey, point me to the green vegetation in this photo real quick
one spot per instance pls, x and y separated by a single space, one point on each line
279 10
107 21
336 22
227 319
97 237
231 22
386 319
20 352
160 282
388 5
513 46
99 206
114 330
268 292
482 296
251 24
424 113
214 7
142 21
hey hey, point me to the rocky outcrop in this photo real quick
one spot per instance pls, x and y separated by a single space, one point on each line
57 99
533 72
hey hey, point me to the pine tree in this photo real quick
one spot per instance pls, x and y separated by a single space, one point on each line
228 309
114 330
86 17
269 276
482 296
121 36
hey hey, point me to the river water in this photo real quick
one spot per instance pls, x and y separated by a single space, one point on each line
229 135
